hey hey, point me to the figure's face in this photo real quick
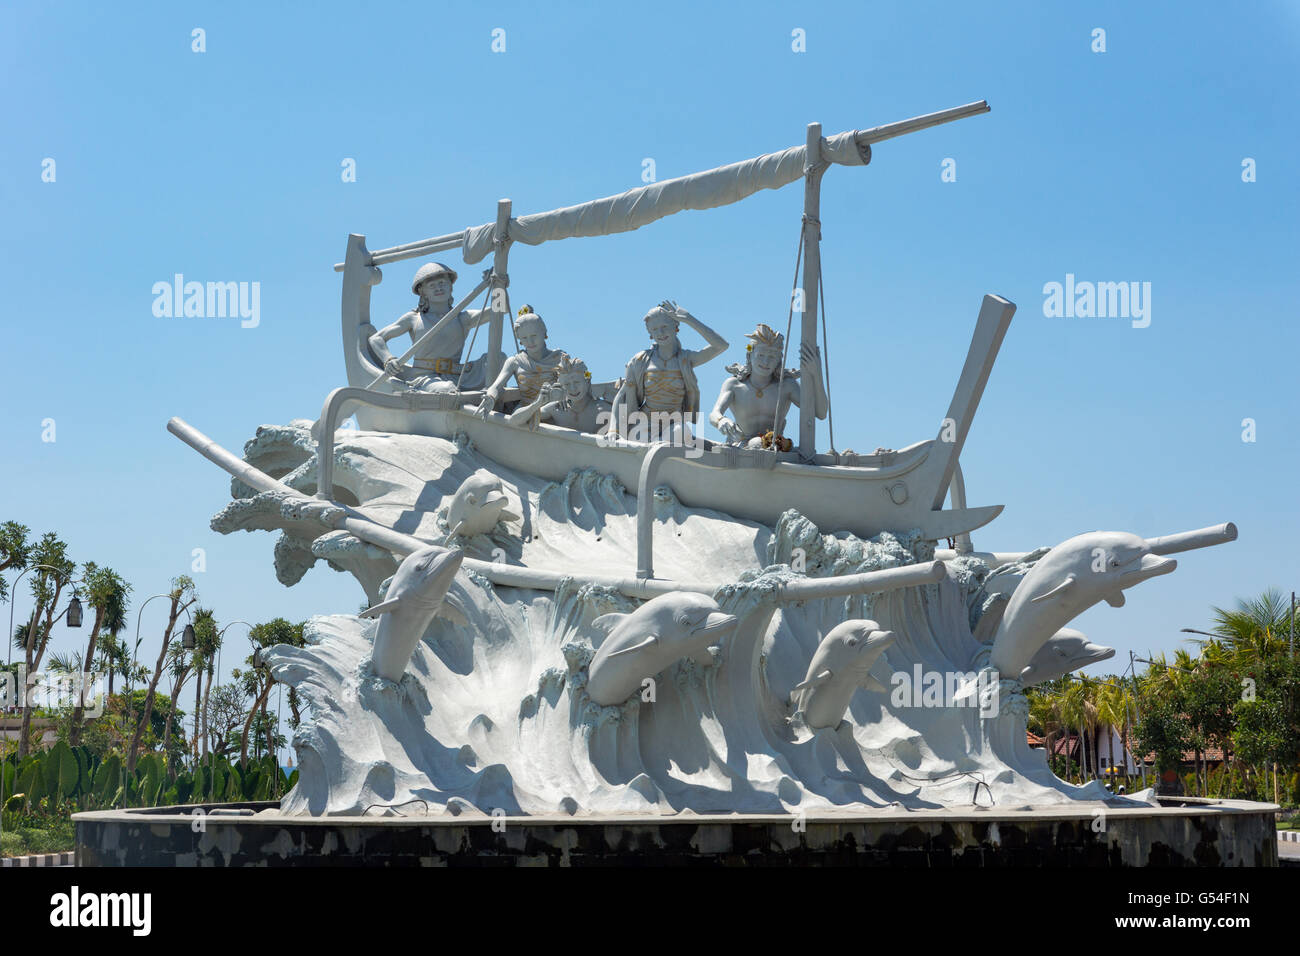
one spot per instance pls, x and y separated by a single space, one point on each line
574 385
661 329
766 360
533 341
439 287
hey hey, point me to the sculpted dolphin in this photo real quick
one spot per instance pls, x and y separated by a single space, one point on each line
841 664
643 643
1069 579
476 507
416 594
1065 651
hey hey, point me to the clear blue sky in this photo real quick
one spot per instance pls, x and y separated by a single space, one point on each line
225 166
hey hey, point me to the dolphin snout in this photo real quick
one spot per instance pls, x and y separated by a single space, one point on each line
716 623
1152 565
445 566
883 638
1095 652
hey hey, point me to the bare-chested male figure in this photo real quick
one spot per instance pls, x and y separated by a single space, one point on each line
756 394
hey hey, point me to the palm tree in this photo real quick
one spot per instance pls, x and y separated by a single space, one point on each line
47 587
105 591
1045 717
15 549
207 637
1254 630
1073 714
1112 711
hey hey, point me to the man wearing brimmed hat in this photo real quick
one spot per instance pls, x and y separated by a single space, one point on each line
437 365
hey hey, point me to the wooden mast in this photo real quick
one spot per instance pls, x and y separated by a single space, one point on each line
497 298
814 167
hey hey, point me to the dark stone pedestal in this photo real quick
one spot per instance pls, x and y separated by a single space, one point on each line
1183 832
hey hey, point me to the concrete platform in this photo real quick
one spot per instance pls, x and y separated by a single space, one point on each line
1183 832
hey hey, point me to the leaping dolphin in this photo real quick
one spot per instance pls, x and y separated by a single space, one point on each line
416 595
841 664
1069 579
1065 651
656 634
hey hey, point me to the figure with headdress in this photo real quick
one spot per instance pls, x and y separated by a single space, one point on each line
437 365
568 403
758 394
661 380
532 367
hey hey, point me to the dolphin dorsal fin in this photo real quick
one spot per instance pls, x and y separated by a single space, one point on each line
641 645
607 622
1059 589
383 607
820 678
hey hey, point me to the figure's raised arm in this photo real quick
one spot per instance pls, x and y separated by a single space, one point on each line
810 365
717 344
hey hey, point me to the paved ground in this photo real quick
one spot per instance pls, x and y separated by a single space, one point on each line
1288 853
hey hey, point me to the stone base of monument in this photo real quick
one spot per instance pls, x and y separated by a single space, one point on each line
1181 832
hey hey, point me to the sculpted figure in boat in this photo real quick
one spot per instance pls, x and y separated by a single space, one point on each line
568 403
532 367
660 381
758 395
437 366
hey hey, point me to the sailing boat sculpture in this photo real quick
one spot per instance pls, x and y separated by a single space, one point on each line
864 494
570 622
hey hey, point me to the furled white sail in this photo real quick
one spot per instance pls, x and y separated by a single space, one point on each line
638 207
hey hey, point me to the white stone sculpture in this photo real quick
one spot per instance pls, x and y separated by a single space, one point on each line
1065 582
841 665
415 596
759 393
436 364
533 366
755 589
478 506
661 380
1066 651
569 403
643 643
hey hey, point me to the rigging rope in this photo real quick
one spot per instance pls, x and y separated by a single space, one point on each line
789 324
826 358
474 338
